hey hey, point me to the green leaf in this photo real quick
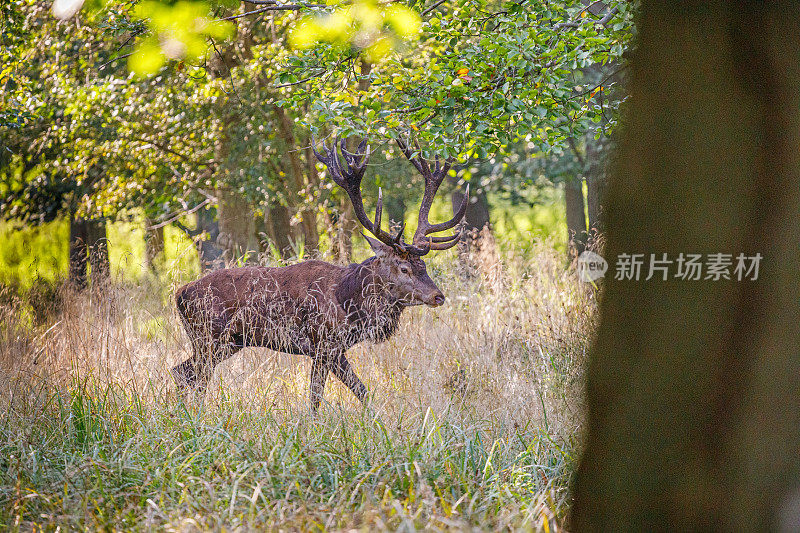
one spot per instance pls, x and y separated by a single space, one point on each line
147 59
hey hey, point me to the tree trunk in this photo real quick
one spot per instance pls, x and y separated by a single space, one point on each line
576 216
310 229
694 386
153 245
477 215
595 184
475 220
279 229
209 253
78 258
299 184
237 226
97 241
396 209
88 246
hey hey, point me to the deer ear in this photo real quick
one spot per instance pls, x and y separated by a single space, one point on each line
380 249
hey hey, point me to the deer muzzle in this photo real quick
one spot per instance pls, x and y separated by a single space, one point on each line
434 299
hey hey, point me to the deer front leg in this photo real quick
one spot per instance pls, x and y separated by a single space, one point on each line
195 373
342 370
319 373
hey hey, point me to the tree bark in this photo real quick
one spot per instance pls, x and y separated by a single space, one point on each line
153 245
576 217
78 257
237 226
694 386
209 253
278 226
97 248
595 184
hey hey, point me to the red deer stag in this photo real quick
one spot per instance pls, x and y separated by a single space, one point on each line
314 308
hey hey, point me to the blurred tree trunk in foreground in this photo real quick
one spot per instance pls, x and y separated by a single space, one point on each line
694 386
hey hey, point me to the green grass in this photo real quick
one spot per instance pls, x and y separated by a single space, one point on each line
99 457
474 420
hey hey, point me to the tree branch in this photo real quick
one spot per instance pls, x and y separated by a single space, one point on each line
273 7
311 77
104 65
429 9
174 219
577 24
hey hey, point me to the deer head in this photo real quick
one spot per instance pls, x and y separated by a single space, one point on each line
398 265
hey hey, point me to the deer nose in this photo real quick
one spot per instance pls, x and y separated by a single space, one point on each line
438 300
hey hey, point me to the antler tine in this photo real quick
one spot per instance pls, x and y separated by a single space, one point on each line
378 211
363 148
399 237
439 240
430 186
356 161
329 160
350 180
433 181
459 215
348 157
445 243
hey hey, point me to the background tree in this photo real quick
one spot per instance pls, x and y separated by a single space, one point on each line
40 181
483 78
220 132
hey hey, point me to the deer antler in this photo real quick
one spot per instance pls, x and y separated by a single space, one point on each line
433 179
349 178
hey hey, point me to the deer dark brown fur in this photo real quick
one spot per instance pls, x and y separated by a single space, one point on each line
315 308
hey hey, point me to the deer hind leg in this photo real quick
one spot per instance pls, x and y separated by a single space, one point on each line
319 373
342 370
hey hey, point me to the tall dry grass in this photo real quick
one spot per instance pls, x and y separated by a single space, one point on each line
474 419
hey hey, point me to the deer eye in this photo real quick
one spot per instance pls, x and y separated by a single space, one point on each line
404 269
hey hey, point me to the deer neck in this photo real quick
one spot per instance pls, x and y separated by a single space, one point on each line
371 310
361 286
